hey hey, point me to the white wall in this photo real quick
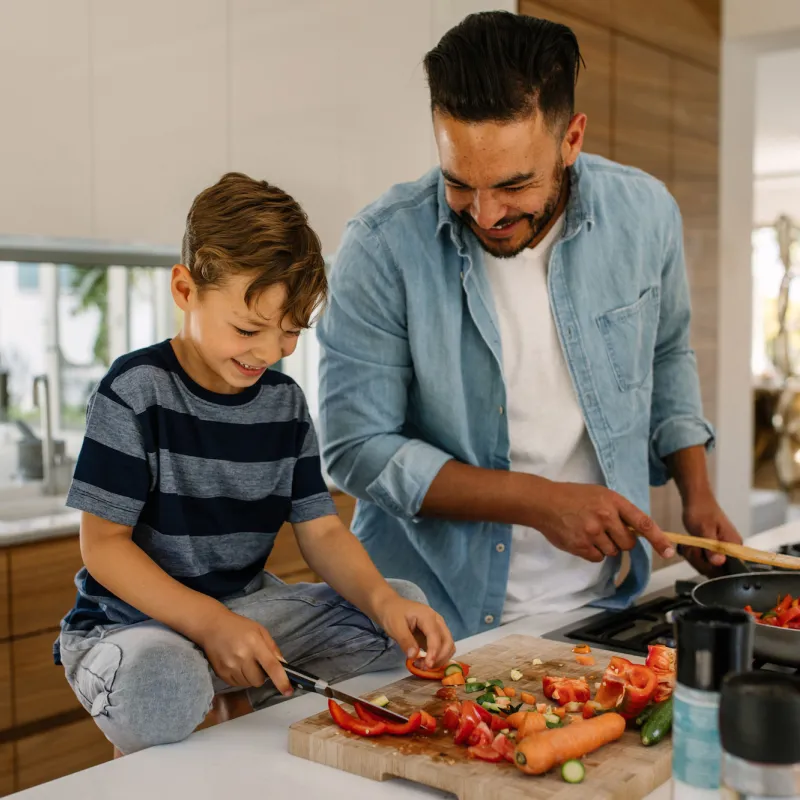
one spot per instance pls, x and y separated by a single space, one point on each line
750 28
116 113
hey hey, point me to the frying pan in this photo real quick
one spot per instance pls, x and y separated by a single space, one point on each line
759 590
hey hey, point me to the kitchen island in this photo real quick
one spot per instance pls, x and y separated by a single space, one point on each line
248 756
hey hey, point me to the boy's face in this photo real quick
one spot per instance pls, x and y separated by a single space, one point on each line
228 345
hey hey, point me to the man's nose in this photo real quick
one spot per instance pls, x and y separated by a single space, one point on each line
486 210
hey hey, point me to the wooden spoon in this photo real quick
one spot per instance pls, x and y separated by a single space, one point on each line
739 551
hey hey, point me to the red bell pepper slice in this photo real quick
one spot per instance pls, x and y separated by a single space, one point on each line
348 722
784 604
394 728
566 690
505 746
788 616
641 683
428 724
452 716
498 723
421 672
485 752
663 661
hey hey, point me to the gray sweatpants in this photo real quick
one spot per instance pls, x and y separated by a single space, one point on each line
146 685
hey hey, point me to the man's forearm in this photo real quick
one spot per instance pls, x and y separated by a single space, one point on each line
689 469
464 492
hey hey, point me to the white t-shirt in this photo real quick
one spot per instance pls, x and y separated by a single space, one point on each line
546 429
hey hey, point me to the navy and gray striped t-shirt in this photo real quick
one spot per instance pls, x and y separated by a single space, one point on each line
205 480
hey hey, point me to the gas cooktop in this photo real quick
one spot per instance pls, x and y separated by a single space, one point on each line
632 630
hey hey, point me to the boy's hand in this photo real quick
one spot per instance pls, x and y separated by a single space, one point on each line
413 624
242 653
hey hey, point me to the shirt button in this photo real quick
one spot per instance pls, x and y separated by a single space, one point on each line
500 547
488 619
501 409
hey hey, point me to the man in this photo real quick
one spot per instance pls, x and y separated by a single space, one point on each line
506 364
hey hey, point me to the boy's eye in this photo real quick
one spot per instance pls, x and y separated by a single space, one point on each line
293 334
242 332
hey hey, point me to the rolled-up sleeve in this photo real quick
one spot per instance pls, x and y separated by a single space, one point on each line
677 420
366 368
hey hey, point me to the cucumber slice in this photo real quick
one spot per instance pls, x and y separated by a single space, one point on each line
573 771
503 702
475 687
491 707
486 698
496 682
451 669
473 680
381 700
552 721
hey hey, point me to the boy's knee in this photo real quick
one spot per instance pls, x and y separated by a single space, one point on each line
408 590
160 695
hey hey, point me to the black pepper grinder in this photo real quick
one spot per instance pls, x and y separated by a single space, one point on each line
759 724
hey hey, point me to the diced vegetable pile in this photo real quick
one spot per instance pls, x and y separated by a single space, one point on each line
497 723
785 614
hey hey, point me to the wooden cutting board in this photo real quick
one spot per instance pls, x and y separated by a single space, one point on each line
623 770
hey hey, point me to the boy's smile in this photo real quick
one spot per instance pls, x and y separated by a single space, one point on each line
224 345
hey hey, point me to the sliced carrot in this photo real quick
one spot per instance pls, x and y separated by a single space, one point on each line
456 679
582 649
585 660
528 698
560 711
510 691
499 692
540 752
532 723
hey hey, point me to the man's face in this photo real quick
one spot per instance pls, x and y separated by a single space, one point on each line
231 345
505 179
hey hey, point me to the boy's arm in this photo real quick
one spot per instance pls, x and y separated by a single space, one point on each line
337 556
237 648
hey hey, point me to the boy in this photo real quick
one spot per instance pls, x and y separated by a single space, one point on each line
195 454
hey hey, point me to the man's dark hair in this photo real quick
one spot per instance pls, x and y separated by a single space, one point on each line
500 67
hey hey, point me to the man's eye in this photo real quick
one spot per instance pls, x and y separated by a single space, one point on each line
242 332
517 188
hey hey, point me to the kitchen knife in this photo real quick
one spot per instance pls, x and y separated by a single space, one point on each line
311 683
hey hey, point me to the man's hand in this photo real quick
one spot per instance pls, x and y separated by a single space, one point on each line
594 522
241 652
413 624
704 517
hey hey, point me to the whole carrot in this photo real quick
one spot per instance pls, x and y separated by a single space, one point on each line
540 752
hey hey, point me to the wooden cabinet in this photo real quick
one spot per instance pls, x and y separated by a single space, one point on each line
593 92
6 712
6 769
40 689
642 110
60 751
5 599
42 588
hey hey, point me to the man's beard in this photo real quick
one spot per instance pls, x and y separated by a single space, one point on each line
536 222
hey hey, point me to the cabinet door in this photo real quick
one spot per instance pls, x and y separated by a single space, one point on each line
59 752
6 769
42 584
5 598
40 689
6 716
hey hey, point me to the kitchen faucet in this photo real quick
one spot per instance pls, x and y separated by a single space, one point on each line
48 449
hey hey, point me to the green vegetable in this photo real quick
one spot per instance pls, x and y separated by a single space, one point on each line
496 682
475 687
486 698
644 716
503 702
491 707
452 669
659 723
768 615
473 680
381 701
552 721
573 771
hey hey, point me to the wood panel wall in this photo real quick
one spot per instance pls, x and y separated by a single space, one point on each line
651 94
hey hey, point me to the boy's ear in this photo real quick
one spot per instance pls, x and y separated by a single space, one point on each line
183 287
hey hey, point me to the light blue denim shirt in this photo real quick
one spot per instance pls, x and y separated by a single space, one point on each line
412 370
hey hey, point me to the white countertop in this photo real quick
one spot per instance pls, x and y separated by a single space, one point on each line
248 756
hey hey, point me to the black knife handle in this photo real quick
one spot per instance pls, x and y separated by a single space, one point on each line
301 678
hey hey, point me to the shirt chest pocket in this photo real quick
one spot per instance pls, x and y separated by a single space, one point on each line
629 334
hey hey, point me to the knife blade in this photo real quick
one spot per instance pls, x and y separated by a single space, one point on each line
305 680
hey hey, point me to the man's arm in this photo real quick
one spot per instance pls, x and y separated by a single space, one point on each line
365 373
